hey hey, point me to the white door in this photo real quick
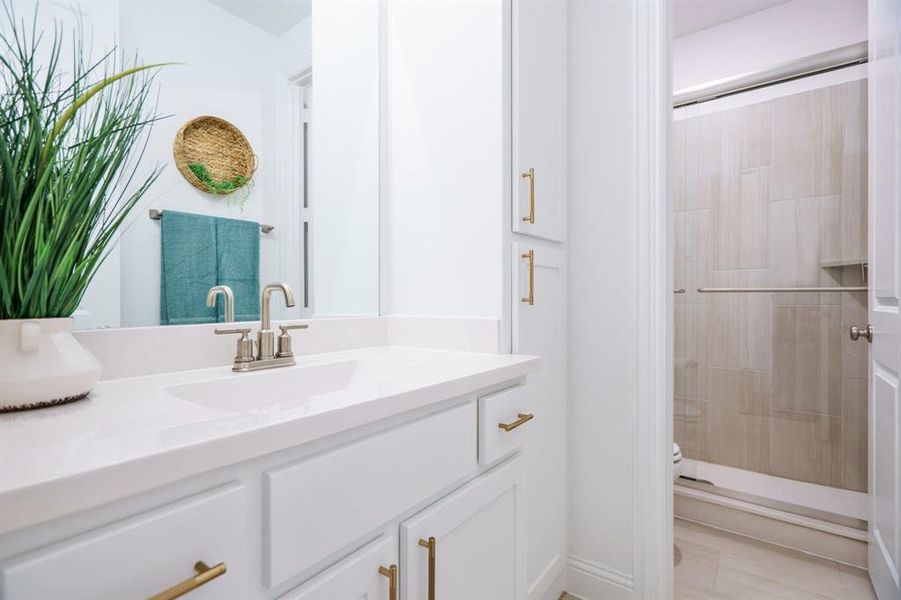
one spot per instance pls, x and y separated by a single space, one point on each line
539 124
469 543
885 296
370 573
539 328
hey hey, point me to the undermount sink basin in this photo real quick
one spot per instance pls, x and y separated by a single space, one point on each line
314 387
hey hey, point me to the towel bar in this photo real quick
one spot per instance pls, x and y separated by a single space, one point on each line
156 214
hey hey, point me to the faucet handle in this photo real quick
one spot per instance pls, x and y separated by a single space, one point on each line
241 330
244 345
284 340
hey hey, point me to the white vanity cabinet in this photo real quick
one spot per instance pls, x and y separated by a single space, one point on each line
336 519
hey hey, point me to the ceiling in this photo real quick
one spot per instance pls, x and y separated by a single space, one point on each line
690 16
273 16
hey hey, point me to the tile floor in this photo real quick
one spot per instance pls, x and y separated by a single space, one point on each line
719 565
715 565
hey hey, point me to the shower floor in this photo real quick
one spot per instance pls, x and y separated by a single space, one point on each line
784 493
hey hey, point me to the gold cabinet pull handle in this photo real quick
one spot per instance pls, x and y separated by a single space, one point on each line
205 574
530 175
522 418
430 544
391 574
530 256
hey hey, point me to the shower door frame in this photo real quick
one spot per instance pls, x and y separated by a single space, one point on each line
841 57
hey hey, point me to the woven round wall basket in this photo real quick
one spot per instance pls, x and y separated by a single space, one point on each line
213 155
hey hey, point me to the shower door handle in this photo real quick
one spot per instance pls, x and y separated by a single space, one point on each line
856 333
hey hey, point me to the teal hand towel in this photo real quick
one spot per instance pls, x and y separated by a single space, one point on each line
189 268
238 259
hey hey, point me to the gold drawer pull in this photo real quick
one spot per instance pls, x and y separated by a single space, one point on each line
430 544
205 574
523 418
391 574
530 256
530 175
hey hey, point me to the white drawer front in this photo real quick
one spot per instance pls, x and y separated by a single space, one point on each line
505 407
315 507
143 555
356 577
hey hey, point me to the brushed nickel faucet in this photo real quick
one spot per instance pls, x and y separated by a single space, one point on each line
266 356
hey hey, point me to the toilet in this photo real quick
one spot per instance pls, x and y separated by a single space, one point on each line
677 461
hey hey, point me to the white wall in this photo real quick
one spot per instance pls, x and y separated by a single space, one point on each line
602 298
297 41
771 36
442 216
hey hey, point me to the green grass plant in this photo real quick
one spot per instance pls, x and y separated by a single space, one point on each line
71 141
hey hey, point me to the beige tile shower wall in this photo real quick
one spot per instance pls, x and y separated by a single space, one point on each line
764 195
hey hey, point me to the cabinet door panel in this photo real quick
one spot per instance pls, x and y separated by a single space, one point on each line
539 123
365 484
478 532
539 329
356 577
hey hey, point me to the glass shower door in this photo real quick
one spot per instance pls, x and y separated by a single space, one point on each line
770 195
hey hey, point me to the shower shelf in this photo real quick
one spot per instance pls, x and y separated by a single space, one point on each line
769 290
843 262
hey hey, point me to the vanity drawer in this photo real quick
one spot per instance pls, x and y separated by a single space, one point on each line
509 408
143 555
316 507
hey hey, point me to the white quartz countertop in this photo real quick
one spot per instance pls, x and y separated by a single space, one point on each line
136 434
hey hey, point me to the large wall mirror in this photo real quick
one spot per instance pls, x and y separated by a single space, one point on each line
294 83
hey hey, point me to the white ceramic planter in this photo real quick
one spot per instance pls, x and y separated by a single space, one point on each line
42 364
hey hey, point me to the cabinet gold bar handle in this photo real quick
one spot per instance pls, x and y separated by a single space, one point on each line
430 544
530 175
205 574
523 418
391 574
530 256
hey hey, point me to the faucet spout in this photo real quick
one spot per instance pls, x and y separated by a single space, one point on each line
265 336
265 310
229 300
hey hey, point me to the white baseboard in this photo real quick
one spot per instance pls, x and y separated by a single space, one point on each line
552 581
592 581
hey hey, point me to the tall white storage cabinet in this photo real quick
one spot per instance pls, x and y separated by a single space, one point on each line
538 235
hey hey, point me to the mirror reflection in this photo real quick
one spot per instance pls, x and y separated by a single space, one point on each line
267 148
